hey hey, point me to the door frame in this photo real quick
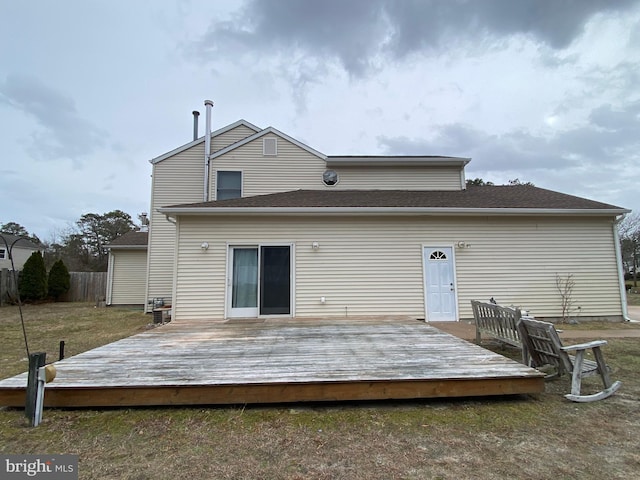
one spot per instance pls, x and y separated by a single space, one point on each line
432 246
229 271
248 312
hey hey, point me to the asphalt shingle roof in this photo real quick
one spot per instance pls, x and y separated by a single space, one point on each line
23 243
131 239
479 197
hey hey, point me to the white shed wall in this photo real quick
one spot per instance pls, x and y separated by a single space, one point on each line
128 277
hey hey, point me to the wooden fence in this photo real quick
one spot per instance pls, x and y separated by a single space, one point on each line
85 287
8 287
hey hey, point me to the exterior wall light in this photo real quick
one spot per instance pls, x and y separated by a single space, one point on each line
204 246
315 245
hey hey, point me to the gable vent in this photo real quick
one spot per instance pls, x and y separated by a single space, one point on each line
270 146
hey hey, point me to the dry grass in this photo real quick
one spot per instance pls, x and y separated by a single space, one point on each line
633 298
80 325
597 326
509 437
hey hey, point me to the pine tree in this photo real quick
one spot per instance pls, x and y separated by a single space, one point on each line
33 279
59 280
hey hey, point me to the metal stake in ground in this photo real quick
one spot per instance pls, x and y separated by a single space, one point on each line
36 360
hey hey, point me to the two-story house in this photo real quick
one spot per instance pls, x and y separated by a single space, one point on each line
21 249
249 222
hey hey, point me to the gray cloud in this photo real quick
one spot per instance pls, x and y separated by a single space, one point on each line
363 34
516 150
617 120
610 139
67 135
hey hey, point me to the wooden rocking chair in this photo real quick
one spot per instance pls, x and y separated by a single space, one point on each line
544 347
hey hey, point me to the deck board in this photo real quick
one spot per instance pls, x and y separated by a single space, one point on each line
280 360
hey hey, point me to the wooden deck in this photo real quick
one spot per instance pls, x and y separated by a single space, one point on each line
237 362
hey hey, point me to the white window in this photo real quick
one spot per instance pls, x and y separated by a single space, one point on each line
3 254
228 185
270 146
438 255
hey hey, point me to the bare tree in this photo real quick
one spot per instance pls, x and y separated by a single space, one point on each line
629 232
517 181
564 285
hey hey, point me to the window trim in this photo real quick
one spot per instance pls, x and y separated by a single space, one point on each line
259 245
241 172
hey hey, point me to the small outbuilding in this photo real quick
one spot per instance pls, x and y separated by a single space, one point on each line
126 278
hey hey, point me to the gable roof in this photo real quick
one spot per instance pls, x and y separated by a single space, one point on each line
264 132
494 200
201 139
131 240
23 243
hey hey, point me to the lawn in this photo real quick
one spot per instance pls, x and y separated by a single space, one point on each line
633 298
528 437
81 326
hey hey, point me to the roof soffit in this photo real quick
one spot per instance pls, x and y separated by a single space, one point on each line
396 161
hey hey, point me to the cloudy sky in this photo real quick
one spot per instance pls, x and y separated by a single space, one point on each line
546 91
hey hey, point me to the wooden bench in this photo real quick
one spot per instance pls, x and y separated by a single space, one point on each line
544 347
497 322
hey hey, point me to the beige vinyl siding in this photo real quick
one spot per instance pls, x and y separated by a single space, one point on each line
232 136
128 282
517 262
294 168
20 256
399 178
373 265
177 179
291 169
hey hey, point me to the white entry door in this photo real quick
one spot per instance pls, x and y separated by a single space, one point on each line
440 284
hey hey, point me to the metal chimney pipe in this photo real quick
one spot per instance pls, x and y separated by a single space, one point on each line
196 114
207 148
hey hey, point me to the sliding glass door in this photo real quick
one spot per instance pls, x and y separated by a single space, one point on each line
260 281
275 281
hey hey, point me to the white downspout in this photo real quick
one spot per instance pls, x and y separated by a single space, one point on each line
623 289
207 148
109 297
